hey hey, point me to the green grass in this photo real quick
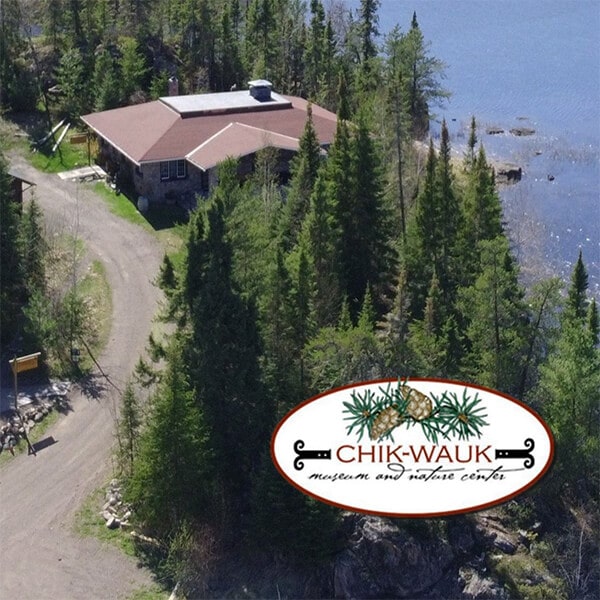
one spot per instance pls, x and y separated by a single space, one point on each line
166 222
89 523
65 158
95 286
154 592
121 206
35 435
527 577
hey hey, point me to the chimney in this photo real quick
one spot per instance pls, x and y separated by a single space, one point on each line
260 89
173 86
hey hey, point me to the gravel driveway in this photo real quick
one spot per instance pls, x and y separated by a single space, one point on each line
40 556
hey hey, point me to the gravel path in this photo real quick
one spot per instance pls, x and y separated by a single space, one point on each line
40 555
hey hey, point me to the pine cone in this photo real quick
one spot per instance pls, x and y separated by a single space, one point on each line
419 405
384 422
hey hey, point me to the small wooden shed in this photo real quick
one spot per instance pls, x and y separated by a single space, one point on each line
20 184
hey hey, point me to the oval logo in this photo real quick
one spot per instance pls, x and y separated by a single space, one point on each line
412 448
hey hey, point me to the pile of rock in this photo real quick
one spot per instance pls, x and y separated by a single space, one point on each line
115 512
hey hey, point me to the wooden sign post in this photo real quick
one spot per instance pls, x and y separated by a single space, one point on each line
19 364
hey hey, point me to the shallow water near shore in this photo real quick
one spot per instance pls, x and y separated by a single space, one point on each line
534 64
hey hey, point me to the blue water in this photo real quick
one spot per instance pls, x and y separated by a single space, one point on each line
530 63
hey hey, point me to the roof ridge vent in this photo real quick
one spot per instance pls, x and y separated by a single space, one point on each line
260 90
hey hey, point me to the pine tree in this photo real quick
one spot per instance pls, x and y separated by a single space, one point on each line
469 160
106 85
425 340
280 370
222 353
482 216
261 31
449 220
577 295
12 292
229 59
172 476
133 68
368 21
423 82
34 247
304 168
70 76
594 321
314 54
356 191
129 424
396 108
494 310
394 327
318 242
569 389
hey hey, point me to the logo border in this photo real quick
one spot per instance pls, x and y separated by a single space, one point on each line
460 511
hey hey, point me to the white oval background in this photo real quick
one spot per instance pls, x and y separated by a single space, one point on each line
320 424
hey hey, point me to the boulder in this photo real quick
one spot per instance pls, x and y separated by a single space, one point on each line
508 173
479 587
113 523
504 544
522 131
385 560
494 130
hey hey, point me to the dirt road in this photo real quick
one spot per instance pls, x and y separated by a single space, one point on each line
40 555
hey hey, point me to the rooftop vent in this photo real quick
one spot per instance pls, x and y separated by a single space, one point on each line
260 89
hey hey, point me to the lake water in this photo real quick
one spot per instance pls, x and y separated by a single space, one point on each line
528 63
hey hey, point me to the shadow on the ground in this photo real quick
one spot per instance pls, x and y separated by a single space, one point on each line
45 443
93 386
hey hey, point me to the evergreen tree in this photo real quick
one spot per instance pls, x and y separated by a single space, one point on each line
280 371
570 390
394 327
366 256
222 354
71 79
129 424
11 266
577 296
449 220
494 310
34 248
229 59
304 168
261 32
423 81
314 54
437 224
172 475
106 85
482 213
133 68
469 160
368 21
543 302
594 321
318 242
396 108
425 340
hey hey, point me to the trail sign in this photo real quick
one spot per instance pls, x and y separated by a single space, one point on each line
79 138
24 363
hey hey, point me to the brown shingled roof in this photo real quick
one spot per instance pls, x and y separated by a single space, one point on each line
153 131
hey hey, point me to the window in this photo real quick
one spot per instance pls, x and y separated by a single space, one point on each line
164 171
173 169
204 184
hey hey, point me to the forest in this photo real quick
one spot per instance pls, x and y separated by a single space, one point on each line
388 258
